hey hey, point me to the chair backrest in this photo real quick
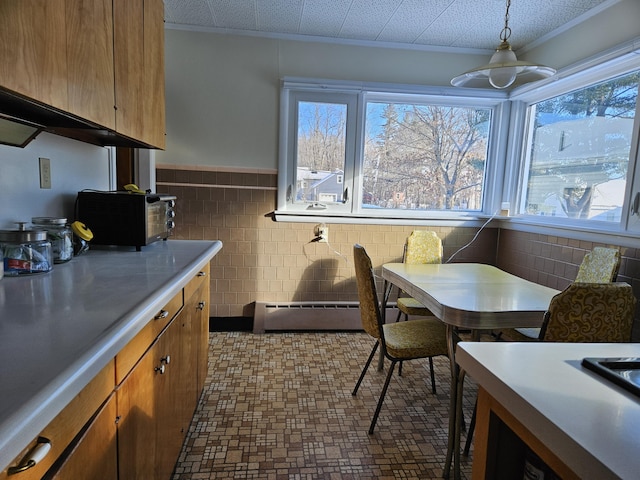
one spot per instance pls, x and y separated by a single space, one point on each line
600 265
423 246
369 307
590 312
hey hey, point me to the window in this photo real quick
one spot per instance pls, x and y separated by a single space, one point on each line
353 151
578 151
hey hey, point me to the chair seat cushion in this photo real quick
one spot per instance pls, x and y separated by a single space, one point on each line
419 338
411 306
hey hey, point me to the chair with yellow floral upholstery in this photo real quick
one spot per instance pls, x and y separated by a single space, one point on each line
399 341
590 313
422 246
600 265
585 313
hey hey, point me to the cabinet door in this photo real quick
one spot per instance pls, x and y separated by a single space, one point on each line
196 295
202 337
154 87
33 50
94 455
128 17
139 70
90 60
149 431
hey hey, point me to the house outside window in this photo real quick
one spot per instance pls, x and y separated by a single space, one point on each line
578 151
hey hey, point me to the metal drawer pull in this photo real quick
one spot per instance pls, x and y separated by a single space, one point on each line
162 314
160 369
202 274
35 455
201 305
166 360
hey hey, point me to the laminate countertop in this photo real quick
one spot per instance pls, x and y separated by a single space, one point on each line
590 423
59 329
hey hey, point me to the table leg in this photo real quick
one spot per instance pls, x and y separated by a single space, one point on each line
453 411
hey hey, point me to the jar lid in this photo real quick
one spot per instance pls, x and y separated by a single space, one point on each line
82 231
22 236
49 221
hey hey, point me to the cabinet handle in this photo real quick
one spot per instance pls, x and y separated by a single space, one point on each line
202 274
201 305
162 314
166 360
160 369
35 455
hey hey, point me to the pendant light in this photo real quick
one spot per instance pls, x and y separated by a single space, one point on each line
504 68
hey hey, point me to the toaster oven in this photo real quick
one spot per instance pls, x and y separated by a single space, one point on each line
126 218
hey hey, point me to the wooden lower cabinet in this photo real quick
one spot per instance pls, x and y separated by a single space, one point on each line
94 454
149 428
503 446
156 401
131 420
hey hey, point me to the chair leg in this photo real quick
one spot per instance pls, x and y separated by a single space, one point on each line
406 317
384 392
399 315
472 426
433 377
366 366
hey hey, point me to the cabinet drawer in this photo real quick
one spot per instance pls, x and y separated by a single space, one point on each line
62 429
93 453
198 280
131 353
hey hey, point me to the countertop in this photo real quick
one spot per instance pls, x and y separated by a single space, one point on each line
590 423
59 329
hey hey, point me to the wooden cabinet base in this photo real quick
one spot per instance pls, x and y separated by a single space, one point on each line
501 442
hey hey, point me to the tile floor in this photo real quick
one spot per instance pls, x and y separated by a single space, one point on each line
279 406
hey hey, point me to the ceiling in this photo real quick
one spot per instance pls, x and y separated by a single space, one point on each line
424 24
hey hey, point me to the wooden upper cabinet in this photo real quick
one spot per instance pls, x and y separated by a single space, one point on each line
154 104
139 70
99 60
129 66
90 60
33 50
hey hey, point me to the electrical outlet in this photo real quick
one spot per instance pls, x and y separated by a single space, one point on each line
322 232
45 172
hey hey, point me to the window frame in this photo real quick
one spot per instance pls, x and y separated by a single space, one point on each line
296 89
582 75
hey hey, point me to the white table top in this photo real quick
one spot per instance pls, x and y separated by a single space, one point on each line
472 295
590 423
59 329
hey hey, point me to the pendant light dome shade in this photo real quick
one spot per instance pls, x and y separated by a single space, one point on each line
504 69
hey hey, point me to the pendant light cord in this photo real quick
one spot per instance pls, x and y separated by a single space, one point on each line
506 31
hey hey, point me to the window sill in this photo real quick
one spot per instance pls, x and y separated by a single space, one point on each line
462 220
576 232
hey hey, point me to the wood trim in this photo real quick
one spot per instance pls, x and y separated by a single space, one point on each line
484 453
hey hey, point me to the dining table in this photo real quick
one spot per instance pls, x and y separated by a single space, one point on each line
469 297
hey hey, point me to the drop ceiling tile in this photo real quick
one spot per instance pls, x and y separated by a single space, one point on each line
192 13
455 23
234 14
411 19
323 18
366 18
281 16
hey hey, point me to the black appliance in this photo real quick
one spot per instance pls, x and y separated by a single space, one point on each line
126 218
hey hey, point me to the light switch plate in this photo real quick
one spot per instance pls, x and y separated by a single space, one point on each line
45 172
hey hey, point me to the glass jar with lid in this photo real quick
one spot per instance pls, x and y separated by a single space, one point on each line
59 234
25 251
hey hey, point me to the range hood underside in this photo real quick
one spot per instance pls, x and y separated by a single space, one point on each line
61 123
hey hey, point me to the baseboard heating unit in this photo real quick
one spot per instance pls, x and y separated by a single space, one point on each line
274 316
